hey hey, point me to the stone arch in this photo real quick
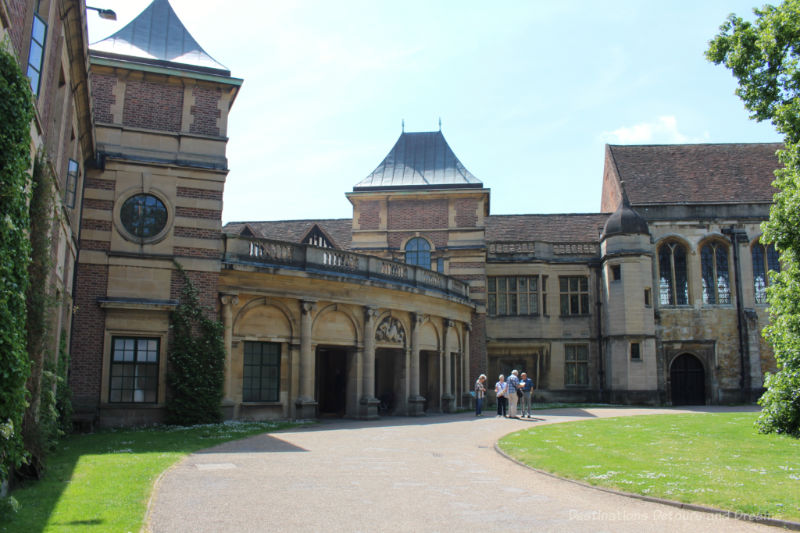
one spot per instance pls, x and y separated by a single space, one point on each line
688 379
328 332
715 275
429 336
674 270
263 311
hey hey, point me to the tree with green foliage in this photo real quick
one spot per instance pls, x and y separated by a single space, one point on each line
764 56
16 113
196 365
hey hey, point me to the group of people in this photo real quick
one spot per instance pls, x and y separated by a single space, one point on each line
511 393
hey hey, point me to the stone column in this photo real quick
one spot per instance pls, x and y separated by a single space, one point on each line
369 404
228 404
416 403
468 380
306 406
447 397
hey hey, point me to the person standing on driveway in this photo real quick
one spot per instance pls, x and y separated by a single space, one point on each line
526 384
500 390
480 393
513 383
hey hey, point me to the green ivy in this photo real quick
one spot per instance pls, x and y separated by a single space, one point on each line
40 424
16 114
196 369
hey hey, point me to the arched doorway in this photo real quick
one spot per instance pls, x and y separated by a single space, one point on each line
688 381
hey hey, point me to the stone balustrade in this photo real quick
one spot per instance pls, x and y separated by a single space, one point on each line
266 252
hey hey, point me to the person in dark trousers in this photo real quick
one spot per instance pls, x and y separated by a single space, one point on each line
500 390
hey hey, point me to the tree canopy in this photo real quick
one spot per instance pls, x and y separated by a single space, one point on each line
764 56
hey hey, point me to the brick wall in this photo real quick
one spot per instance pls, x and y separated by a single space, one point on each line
205 111
193 212
19 30
87 339
418 214
203 194
197 233
204 253
206 284
153 106
101 225
103 97
466 212
369 216
478 362
96 183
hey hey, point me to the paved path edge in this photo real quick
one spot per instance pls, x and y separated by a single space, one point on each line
786 524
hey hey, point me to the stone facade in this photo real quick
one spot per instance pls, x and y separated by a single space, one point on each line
658 299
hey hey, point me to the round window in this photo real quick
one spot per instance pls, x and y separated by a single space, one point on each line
143 215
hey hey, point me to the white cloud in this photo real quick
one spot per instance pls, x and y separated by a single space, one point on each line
662 130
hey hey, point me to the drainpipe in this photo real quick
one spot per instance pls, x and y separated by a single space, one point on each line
735 236
600 338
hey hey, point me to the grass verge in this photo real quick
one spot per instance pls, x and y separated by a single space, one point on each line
718 460
102 481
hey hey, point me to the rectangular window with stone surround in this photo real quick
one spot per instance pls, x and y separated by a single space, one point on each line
262 372
134 370
513 295
576 364
574 293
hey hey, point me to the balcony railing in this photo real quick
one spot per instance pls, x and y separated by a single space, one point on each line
265 252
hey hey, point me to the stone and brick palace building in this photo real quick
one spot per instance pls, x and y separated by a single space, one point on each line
657 299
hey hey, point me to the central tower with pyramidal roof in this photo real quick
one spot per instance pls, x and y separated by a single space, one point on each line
422 206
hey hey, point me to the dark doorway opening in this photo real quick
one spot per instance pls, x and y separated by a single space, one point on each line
331 381
388 370
688 381
429 381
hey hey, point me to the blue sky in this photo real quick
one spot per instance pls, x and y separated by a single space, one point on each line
528 92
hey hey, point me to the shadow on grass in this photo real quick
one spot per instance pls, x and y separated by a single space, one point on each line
91 473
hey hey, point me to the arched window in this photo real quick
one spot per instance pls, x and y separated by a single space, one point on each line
418 252
765 258
716 280
673 284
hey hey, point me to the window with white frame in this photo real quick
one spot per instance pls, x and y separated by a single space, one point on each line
134 370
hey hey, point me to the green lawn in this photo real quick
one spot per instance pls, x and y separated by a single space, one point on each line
719 460
102 481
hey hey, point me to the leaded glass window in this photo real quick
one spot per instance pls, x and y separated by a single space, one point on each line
716 280
418 252
576 364
134 370
673 283
765 258
261 378
143 215
513 295
574 292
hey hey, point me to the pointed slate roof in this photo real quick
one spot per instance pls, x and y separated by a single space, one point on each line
419 160
158 35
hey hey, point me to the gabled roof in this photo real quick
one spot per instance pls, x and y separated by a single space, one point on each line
419 160
338 230
578 227
158 35
693 173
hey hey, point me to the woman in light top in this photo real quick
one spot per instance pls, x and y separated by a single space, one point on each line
500 390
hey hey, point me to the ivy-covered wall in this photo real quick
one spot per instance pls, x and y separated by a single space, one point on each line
16 113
